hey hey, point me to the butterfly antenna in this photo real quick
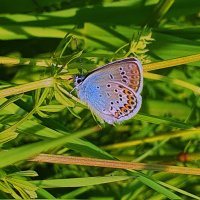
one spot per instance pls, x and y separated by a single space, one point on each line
70 93
72 90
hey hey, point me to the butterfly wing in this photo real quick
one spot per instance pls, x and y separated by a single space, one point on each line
127 71
108 96
116 104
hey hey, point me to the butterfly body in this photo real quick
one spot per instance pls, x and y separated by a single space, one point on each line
113 91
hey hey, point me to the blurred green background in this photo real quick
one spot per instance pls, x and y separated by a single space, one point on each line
35 121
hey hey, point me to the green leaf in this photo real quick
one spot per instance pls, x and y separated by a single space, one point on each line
10 100
7 136
27 151
79 182
29 173
3 187
44 95
76 144
52 108
25 185
45 194
41 114
162 120
73 113
61 98
152 184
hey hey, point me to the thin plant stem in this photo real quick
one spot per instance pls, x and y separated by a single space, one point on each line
185 133
24 61
181 83
49 158
48 82
147 67
14 127
171 62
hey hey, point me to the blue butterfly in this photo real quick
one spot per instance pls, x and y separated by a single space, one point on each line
112 91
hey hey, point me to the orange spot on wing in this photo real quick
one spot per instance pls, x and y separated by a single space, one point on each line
126 91
135 82
135 88
126 106
135 71
116 115
122 109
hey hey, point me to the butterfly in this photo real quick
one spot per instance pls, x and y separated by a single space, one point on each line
112 91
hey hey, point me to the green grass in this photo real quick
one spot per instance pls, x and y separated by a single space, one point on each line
43 45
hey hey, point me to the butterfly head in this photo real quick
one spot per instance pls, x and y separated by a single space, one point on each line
78 80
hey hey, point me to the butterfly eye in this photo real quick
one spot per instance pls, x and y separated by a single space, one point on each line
79 81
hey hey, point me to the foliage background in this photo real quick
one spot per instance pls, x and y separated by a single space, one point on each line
33 30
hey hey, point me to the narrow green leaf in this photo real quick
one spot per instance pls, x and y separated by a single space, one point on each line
10 100
33 127
73 113
21 183
73 56
77 144
41 114
7 136
79 182
22 153
68 59
152 184
45 194
162 120
52 108
10 190
45 92
180 190
61 98
62 46
36 95
3 187
21 191
29 173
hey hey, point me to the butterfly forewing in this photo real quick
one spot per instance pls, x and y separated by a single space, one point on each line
127 71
